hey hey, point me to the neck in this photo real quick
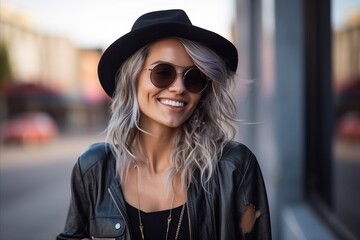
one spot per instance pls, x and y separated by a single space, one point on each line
154 152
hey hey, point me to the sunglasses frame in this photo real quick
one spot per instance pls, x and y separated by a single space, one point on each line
184 73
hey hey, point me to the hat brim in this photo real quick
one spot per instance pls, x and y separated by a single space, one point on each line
125 46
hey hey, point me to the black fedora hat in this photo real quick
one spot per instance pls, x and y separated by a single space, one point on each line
154 26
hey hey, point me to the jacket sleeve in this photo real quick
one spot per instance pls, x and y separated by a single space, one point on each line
76 225
252 202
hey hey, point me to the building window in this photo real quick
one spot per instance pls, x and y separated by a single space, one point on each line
345 25
333 112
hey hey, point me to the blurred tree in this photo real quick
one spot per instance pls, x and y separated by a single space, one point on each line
5 68
5 78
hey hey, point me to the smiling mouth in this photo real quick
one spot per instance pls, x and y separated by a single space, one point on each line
172 103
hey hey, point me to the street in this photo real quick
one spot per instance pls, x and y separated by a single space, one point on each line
35 187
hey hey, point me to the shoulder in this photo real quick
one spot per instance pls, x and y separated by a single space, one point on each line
233 147
94 155
234 151
237 156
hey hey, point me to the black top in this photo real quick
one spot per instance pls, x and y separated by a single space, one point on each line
155 224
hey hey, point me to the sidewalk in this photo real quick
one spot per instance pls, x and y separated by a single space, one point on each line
69 146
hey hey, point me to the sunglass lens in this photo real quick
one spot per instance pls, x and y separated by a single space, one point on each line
195 81
163 75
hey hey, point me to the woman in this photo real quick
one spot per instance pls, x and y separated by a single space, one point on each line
169 169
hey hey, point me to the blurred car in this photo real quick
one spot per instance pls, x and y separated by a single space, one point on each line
30 127
349 126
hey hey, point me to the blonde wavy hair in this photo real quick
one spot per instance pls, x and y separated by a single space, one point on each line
197 147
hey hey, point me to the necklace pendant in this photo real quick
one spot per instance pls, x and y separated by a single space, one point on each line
168 223
142 231
168 226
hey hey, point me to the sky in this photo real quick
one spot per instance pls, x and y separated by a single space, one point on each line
97 23
341 8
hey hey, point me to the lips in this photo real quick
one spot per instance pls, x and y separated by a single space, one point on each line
172 103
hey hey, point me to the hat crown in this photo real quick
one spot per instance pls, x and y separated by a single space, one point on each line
154 26
159 17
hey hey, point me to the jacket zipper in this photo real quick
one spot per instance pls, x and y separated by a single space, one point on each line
119 209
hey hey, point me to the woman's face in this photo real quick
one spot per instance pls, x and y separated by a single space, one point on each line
171 106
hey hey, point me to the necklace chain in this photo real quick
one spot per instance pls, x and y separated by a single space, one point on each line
169 218
141 226
180 221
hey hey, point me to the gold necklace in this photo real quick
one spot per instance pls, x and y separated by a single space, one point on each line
169 218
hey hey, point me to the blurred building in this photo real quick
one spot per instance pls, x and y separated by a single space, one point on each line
346 58
36 57
299 99
55 63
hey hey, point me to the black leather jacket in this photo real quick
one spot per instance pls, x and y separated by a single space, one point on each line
97 208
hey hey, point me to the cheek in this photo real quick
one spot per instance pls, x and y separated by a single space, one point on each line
144 87
140 80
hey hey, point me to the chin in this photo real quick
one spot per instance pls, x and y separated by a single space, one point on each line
174 124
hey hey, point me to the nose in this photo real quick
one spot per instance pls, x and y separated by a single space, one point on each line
178 84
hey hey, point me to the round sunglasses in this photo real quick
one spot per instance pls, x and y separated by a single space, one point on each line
163 75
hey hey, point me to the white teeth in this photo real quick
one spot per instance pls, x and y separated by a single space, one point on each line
172 103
